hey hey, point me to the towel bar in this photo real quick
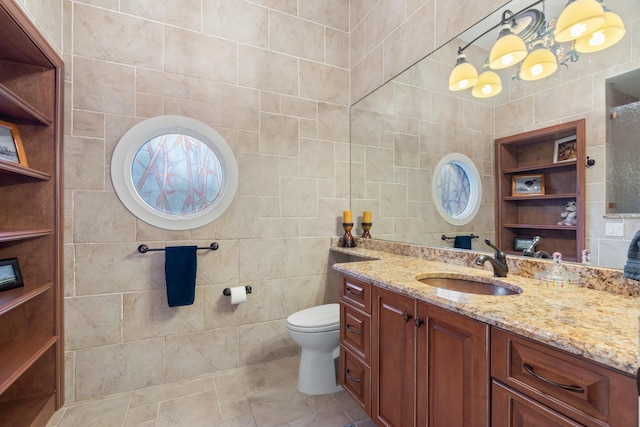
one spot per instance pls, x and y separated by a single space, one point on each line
144 248
473 236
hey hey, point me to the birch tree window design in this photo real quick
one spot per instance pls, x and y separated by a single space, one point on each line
174 172
454 188
177 174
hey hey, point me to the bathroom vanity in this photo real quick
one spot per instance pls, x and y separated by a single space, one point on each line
414 354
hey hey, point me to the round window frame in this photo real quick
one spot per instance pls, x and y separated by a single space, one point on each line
127 148
475 188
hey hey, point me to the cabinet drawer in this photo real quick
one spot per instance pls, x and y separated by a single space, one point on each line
580 389
355 331
512 409
356 293
355 378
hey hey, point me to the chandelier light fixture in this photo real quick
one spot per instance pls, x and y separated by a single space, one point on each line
537 47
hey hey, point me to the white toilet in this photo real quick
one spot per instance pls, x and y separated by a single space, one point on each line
317 331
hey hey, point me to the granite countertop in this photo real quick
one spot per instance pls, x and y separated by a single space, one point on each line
600 326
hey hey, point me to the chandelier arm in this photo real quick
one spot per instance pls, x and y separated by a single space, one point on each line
504 20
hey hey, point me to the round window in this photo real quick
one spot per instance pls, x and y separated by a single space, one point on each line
457 189
174 172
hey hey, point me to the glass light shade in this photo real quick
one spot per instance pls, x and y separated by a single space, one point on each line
579 18
463 76
539 64
489 84
610 33
508 50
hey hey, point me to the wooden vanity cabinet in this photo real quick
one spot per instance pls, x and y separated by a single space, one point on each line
31 344
452 369
429 365
532 379
355 340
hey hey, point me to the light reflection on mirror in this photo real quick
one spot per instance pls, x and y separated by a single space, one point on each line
400 131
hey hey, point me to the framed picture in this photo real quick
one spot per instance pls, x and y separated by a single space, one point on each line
527 185
521 243
10 276
565 150
11 149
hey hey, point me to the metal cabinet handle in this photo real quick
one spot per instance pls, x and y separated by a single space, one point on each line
572 388
418 322
357 380
406 317
351 291
353 331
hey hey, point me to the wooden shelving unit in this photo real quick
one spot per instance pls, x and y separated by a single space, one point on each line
31 342
532 153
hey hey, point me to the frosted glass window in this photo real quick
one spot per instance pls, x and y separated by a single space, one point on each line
453 188
174 172
456 189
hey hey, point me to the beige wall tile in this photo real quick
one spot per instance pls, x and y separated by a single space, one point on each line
295 36
160 83
189 355
85 163
268 259
107 370
278 135
299 197
324 83
88 124
333 123
291 295
238 222
220 313
198 55
317 159
92 321
96 274
103 86
261 342
103 208
237 20
181 13
148 315
98 35
266 70
336 48
332 13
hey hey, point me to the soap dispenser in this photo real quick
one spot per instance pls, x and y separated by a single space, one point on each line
557 276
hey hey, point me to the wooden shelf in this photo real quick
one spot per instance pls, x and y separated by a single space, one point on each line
27 411
540 226
16 359
12 236
17 169
12 107
17 296
543 167
541 197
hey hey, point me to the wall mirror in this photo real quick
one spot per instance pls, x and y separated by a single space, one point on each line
403 129
174 172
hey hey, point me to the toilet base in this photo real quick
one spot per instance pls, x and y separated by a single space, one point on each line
317 372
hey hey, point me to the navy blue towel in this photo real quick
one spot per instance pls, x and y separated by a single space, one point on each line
632 267
462 242
180 267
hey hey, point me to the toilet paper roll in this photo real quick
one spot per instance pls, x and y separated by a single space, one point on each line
238 295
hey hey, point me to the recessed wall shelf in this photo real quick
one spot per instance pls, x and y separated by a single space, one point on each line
529 215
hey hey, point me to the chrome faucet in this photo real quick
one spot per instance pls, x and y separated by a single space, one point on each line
498 262
531 250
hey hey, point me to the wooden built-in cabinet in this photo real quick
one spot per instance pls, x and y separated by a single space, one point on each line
529 215
423 365
31 346
429 365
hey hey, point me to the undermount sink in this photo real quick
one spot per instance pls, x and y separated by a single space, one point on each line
470 285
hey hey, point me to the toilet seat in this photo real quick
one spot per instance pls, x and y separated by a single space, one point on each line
321 318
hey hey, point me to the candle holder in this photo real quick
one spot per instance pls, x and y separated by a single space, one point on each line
347 239
366 226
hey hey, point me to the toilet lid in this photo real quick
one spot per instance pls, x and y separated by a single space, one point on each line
320 316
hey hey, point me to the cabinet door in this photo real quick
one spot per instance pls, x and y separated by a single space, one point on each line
393 359
452 369
512 409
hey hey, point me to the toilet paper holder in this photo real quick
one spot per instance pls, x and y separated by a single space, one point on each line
227 291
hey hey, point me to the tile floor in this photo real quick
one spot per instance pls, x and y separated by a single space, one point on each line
259 395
